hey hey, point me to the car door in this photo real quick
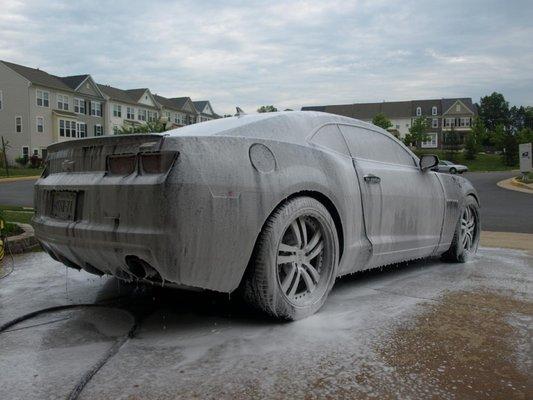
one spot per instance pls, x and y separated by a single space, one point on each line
403 206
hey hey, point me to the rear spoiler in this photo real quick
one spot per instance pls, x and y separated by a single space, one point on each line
105 140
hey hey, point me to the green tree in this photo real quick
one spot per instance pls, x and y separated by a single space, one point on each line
529 118
156 126
382 121
498 137
479 130
471 147
417 132
517 118
451 144
525 136
510 149
265 109
494 110
474 139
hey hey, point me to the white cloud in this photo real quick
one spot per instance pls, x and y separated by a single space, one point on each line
284 53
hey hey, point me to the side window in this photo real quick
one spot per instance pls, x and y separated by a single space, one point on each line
330 137
364 143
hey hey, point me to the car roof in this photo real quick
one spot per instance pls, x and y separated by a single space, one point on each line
287 126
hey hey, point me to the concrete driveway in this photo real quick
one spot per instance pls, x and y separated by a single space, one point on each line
427 329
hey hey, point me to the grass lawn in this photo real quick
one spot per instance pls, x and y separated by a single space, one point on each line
11 229
483 162
16 214
17 172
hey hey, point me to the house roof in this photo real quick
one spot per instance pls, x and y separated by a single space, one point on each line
314 108
179 101
392 109
467 101
39 77
43 78
167 103
136 94
74 81
117 94
200 105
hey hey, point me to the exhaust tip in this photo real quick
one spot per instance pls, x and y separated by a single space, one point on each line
141 269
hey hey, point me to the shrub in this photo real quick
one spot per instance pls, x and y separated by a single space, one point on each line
35 161
22 161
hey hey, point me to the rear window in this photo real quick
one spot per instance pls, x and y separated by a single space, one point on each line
376 146
331 138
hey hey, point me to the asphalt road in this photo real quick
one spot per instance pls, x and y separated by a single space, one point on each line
502 210
423 330
19 193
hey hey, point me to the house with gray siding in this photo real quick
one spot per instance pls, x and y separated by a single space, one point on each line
172 111
39 109
442 115
205 111
128 108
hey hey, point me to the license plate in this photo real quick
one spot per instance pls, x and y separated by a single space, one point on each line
64 205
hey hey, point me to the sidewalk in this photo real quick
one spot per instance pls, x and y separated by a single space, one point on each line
19 178
514 184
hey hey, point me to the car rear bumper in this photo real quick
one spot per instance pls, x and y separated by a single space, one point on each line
102 249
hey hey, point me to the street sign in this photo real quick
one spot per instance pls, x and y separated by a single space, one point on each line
525 157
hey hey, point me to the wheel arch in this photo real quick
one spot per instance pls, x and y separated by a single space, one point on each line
324 200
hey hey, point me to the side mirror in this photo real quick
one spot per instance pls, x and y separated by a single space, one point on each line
428 161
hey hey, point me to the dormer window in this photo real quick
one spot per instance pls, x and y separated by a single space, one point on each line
433 110
418 111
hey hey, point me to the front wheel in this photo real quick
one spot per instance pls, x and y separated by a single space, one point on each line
466 238
453 171
295 262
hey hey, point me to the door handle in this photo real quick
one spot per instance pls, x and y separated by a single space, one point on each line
372 178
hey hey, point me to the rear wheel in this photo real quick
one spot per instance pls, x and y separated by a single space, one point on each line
453 170
466 238
295 261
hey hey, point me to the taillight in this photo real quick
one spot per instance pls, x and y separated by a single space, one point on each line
157 162
121 164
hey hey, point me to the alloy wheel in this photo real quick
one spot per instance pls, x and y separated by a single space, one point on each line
468 228
303 259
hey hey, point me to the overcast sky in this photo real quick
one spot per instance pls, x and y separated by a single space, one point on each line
289 54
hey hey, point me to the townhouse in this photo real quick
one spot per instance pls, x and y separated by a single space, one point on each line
128 108
38 109
205 111
442 115
177 111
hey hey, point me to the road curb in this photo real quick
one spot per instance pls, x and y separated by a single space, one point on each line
513 184
23 242
19 178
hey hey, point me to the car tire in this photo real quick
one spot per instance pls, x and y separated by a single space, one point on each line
453 171
292 271
465 240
